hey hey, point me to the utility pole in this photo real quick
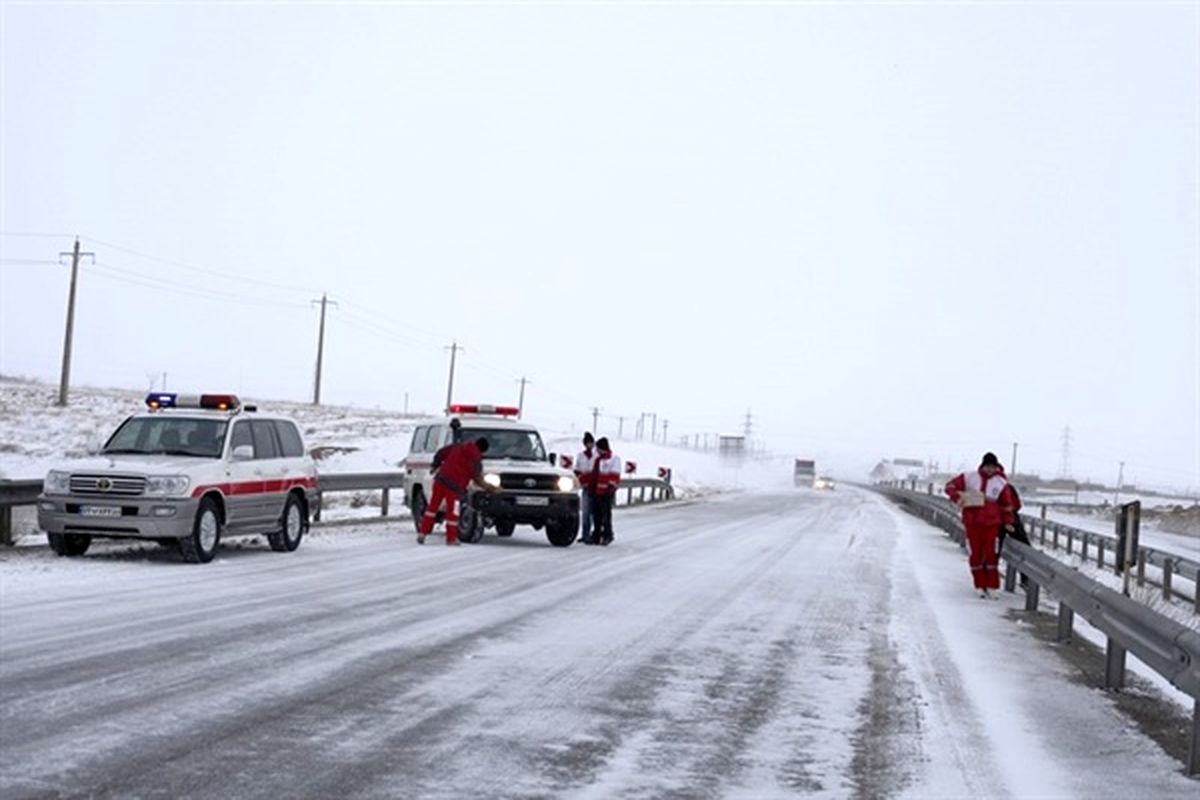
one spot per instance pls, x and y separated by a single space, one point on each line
324 301
1066 452
521 401
595 421
64 384
654 427
1120 479
620 427
666 423
1013 464
641 426
453 348
406 404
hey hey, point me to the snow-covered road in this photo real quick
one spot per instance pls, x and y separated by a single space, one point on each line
750 646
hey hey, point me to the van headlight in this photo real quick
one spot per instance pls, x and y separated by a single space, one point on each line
167 484
566 484
57 482
492 479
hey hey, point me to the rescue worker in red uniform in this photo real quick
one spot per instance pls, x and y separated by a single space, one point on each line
985 508
457 467
603 483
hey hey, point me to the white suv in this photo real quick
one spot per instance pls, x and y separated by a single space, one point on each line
190 470
531 489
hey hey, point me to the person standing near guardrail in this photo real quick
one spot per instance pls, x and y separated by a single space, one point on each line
979 495
584 463
605 479
458 466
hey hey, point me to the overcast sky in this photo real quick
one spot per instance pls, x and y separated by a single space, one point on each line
890 230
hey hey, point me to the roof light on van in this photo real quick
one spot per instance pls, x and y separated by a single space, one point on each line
484 410
213 402
157 400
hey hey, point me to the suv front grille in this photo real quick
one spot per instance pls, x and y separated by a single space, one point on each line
531 483
108 485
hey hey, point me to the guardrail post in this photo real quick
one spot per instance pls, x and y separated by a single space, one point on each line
1168 572
629 496
1070 542
6 532
1032 592
317 510
1066 622
1193 765
642 495
1010 579
1100 554
1114 665
1141 567
1083 546
1056 536
387 495
1043 528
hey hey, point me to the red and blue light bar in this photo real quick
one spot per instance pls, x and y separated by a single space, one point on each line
156 401
500 411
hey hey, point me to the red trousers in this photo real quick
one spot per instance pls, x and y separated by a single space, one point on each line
983 555
442 495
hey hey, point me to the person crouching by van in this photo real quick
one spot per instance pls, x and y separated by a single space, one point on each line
583 472
458 466
606 478
979 495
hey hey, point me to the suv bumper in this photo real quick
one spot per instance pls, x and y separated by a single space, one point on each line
508 506
141 518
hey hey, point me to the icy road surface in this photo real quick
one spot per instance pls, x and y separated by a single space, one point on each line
753 646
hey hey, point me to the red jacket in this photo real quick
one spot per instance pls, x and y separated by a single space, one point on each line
460 464
996 509
606 473
585 462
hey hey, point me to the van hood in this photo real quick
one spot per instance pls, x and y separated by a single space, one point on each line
137 464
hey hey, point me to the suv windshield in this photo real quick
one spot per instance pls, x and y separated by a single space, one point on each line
163 435
515 445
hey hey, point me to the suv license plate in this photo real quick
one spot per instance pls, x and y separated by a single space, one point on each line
533 501
100 511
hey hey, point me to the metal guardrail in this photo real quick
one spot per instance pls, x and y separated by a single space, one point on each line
637 491
1085 543
1166 646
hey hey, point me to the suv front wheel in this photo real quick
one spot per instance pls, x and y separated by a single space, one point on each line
562 532
69 544
201 545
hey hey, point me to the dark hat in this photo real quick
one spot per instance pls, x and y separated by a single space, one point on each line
602 443
482 444
990 460
456 423
588 438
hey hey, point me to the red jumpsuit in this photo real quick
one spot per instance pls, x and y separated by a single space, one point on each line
983 523
460 464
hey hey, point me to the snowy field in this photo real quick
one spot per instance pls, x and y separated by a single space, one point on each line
755 645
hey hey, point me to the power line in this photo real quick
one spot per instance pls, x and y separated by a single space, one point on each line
167 285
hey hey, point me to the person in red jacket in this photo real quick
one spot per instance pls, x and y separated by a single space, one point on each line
458 466
605 478
986 506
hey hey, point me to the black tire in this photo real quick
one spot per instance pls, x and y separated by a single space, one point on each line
201 544
69 544
562 532
470 525
292 526
418 507
505 527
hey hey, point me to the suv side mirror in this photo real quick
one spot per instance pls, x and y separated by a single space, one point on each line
243 452
553 459
94 446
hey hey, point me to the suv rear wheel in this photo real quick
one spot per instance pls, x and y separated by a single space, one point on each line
69 544
418 506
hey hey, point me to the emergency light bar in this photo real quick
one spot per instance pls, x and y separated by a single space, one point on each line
213 402
500 411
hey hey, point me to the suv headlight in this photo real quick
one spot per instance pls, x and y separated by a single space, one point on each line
57 482
167 485
492 479
566 484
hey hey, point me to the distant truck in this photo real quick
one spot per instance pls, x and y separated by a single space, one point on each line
805 472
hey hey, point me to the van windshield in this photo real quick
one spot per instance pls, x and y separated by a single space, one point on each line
514 445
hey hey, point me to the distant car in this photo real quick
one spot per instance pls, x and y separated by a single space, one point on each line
190 470
530 490
824 483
